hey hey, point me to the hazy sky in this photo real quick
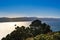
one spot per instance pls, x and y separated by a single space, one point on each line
34 8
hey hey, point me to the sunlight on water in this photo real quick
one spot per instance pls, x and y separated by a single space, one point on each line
8 27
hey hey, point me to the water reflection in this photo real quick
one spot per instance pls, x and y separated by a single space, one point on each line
8 27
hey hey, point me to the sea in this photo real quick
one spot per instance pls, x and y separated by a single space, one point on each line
8 27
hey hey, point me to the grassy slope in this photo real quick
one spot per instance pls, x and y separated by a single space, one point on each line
49 36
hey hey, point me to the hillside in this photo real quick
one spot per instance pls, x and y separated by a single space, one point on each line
5 19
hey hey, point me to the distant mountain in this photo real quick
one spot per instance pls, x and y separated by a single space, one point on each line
5 19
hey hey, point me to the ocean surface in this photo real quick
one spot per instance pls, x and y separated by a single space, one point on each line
55 25
8 27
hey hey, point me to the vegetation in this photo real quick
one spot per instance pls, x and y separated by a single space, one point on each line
51 36
36 31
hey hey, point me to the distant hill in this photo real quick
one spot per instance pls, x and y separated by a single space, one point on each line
5 19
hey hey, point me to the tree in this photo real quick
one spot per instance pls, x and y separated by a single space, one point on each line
21 33
35 23
38 27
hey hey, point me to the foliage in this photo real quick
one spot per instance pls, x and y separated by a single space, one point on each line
51 36
38 27
35 28
20 33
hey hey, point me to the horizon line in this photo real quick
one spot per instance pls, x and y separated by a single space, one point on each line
30 16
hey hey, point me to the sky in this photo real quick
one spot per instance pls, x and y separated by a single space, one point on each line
30 8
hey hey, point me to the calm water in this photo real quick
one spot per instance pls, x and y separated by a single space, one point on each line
8 27
55 25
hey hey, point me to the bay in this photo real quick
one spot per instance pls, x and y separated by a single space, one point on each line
8 27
